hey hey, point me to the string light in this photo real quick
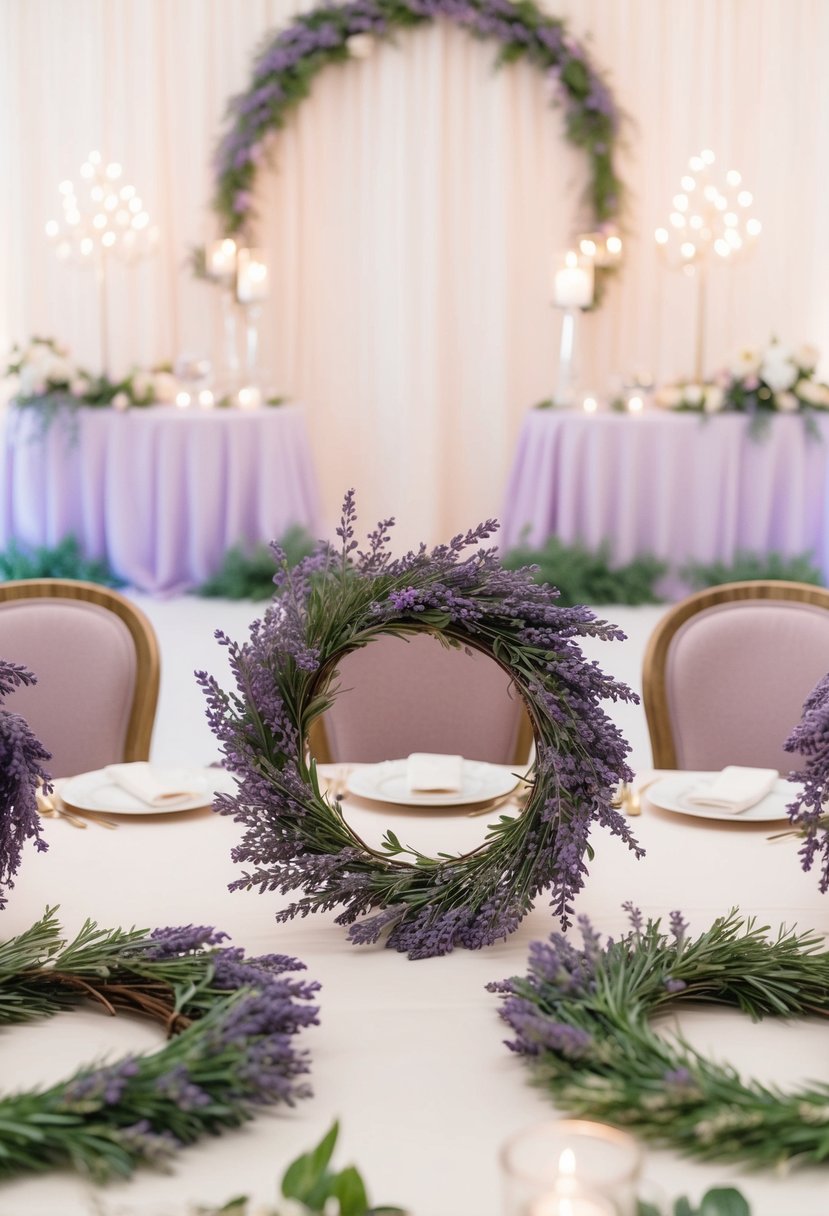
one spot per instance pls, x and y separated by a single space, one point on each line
104 216
714 214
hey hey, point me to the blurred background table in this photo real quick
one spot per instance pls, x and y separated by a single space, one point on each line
679 486
160 493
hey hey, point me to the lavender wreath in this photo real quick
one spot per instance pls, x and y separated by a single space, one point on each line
232 1022
809 811
582 1022
295 838
334 33
21 771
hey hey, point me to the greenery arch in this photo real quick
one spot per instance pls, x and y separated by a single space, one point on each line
333 33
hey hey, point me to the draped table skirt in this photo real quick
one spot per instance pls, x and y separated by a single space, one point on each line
678 486
160 493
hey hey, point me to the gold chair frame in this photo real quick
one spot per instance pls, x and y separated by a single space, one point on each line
148 664
654 691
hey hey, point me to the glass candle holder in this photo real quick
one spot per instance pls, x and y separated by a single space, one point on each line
571 291
570 1167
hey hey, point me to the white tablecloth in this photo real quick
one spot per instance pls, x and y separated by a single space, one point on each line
409 1055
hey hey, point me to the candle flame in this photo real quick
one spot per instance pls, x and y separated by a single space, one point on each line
571 258
567 1163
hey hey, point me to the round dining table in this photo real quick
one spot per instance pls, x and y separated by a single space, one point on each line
409 1056
160 493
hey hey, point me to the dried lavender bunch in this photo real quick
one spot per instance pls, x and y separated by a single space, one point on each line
233 1022
21 771
810 738
582 1020
336 601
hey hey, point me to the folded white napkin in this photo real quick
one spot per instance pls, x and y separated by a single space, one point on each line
432 771
735 789
157 787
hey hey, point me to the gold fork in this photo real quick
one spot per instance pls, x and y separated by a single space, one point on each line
50 807
47 810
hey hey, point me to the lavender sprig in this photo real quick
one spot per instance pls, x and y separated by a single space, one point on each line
581 1018
234 1023
808 813
22 758
294 839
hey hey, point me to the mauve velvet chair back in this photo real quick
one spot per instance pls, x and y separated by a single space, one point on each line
85 660
736 674
400 696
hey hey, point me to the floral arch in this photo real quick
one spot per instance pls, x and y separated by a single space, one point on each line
334 33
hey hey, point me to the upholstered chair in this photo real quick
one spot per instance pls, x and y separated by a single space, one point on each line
727 670
399 696
95 656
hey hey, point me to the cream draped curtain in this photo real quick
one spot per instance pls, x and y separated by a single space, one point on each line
411 212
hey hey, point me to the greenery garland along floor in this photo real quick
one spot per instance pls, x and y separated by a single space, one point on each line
232 1023
582 1019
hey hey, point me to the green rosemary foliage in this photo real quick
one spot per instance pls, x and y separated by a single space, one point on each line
585 576
583 1019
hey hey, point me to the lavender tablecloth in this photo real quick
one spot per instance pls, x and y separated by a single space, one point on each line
674 485
161 493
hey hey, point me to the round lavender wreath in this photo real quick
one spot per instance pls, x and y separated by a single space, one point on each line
582 1021
21 771
333 33
809 812
232 1022
334 602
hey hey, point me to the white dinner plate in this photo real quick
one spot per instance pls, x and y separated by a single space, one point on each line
388 782
95 792
670 794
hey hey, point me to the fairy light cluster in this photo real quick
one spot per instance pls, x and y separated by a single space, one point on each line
102 215
707 216
603 247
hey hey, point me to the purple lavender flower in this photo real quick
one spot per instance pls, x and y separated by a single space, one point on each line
21 770
679 927
292 841
810 738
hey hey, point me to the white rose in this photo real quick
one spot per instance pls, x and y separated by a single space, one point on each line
808 392
823 400
806 357
714 399
120 401
143 385
60 370
668 397
693 394
165 387
360 46
32 381
79 387
746 361
39 356
786 402
778 368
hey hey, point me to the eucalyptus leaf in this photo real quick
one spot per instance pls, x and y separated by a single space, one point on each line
724 1201
348 1187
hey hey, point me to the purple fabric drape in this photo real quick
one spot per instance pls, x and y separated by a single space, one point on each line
678 486
161 493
